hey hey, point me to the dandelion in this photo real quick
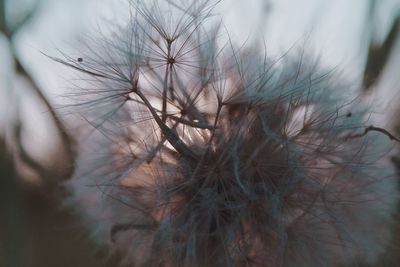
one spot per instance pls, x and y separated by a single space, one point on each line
204 154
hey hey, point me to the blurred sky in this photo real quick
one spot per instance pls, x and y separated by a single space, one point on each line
333 30
336 32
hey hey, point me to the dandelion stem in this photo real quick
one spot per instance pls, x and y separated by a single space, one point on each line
164 96
192 123
172 138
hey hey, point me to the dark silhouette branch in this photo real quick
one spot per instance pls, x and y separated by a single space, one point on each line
66 140
375 129
379 55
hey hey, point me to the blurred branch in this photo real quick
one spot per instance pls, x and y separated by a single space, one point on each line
22 153
3 22
27 17
66 139
13 250
5 28
378 54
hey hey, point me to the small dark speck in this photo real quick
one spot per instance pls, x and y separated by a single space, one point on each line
80 59
349 114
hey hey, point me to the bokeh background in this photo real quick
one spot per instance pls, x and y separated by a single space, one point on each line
360 38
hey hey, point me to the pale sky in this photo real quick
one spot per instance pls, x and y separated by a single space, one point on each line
332 30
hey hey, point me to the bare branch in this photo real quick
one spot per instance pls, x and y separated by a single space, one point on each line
375 129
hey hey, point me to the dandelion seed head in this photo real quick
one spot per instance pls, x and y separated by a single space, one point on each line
210 155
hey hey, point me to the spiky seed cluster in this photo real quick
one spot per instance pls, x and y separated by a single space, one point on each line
207 155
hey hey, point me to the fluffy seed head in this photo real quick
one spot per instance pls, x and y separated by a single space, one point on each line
203 154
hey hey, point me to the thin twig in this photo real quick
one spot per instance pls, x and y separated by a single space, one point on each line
375 129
